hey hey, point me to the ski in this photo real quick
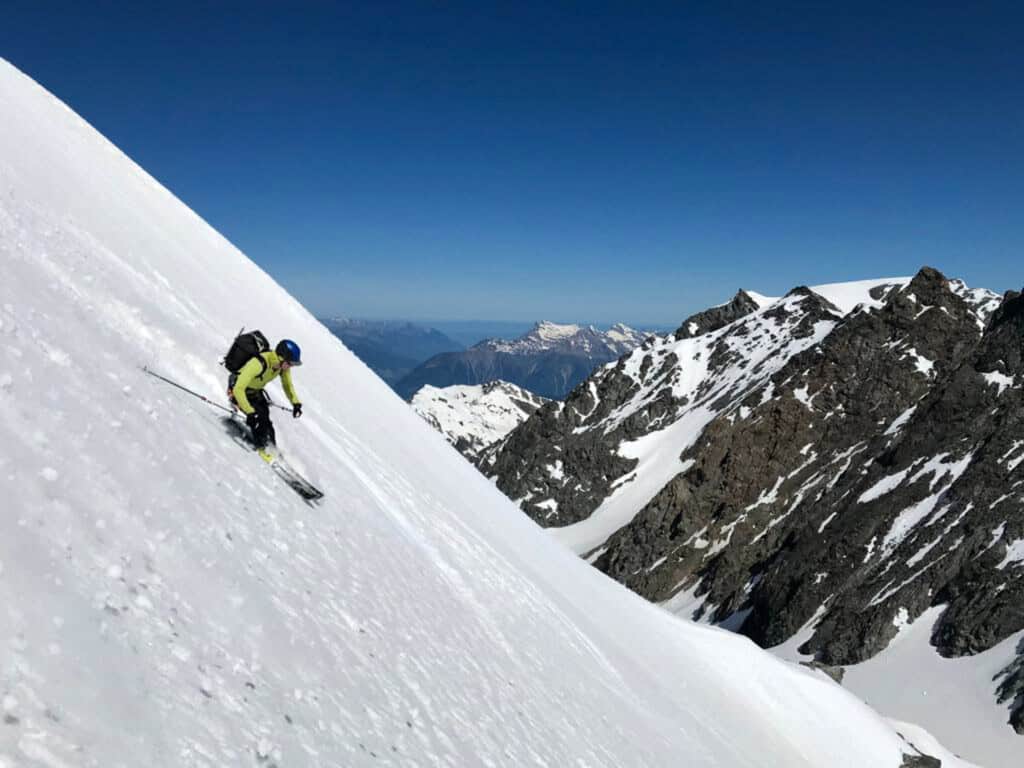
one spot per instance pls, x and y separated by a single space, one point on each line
291 478
272 457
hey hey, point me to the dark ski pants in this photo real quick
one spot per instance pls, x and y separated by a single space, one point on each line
263 432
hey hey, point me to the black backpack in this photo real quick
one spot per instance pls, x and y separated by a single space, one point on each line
244 348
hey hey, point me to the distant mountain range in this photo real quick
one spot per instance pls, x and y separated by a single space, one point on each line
549 360
470 332
391 349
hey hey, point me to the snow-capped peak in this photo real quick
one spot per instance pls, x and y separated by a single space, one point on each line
549 331
623 334
570 338
849 295
845 296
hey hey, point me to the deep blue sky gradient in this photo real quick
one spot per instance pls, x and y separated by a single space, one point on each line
590 161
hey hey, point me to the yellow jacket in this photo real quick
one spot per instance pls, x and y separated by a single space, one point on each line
259 372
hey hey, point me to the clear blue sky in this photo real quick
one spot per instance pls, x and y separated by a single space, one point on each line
571 161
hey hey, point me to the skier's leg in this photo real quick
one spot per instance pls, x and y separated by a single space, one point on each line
271 436
263 432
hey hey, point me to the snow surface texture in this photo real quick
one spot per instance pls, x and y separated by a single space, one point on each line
167 602
472 417
912 682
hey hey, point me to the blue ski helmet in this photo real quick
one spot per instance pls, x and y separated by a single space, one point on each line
289 351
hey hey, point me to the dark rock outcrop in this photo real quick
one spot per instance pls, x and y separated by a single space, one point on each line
717 317
640 394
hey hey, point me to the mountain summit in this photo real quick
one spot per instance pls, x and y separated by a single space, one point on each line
587 340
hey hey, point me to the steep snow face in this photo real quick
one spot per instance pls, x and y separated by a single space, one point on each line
473 417
165 601
867 293
844 296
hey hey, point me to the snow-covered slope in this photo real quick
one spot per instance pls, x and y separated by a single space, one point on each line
473 417
166 602
909 681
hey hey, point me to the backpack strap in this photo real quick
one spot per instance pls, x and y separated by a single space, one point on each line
263 362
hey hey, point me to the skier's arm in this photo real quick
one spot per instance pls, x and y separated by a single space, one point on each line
250 371
289 388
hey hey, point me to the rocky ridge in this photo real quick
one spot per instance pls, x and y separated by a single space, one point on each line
845 469
679 381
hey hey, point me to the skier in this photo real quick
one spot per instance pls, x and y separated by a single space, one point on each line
262 365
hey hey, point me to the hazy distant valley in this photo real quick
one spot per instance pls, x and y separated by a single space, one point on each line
547 359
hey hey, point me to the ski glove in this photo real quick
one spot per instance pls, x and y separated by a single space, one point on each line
296 410
252 420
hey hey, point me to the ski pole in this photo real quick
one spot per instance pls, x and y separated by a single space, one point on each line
275 405
186 389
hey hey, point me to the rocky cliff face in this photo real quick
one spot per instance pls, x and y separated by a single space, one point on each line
677 382
842 469
712 319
